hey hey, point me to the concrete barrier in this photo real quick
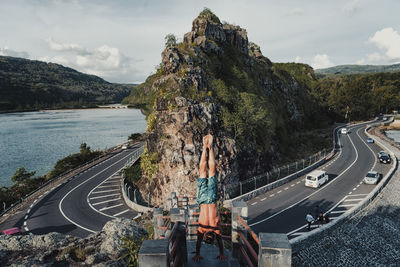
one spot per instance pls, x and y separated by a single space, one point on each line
131 204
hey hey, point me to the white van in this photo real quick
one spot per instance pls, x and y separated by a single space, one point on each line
344 131
316 178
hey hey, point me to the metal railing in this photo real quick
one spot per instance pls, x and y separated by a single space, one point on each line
246 247
269 177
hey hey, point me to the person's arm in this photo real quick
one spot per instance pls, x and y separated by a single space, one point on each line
211 159
197 257
221 255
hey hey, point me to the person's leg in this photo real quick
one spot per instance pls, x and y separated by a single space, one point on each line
203 159
211 159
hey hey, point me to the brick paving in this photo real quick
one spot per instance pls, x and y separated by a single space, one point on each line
368 238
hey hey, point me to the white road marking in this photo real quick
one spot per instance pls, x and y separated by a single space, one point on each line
347 205
31 206
254 203
358 186
286 188
292 185
105 191
298 182
24 223
40 196
108 186
107 208
28 211
26 229
338 211
35 201
87 180
298 233
353 199
26 217
272 195
350 193
355 188
120 213
105 201
46 192
279 191
105 196
263 199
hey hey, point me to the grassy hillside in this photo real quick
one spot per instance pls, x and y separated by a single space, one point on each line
29 84
356 69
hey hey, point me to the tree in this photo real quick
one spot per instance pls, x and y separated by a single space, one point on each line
170 40
134 137
84 149
21 175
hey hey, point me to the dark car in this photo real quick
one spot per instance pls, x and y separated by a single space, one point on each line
384 158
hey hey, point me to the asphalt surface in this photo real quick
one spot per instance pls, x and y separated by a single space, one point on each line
283 209
80 206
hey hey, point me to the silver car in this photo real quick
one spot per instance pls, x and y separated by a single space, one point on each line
372 178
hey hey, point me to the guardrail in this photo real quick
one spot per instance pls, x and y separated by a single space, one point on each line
258 181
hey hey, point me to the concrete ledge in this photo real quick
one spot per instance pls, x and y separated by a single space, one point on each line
371 196
131 204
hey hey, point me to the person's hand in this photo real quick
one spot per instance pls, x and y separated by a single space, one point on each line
221 257
197 258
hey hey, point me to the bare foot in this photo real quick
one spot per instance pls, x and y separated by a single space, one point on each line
205 141
210 140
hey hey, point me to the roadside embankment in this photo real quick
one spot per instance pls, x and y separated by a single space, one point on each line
369 237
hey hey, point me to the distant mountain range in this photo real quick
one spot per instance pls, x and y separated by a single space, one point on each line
356 69
31 84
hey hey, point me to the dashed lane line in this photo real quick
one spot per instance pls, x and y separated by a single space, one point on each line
122 212
263 199
355 188
254 203
286 188
338 211
24 223
26 217
26 229
280 191
28 211
104 196
107 208
105 201
272 195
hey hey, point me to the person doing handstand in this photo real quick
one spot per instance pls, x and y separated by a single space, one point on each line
207 198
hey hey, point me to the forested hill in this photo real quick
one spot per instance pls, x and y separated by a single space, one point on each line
30 84
356 69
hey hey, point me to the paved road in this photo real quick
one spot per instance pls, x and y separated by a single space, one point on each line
283 209
80 206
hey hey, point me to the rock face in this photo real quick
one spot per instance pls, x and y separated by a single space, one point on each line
189 104
55 249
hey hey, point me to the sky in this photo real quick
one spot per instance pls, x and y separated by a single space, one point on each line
122 40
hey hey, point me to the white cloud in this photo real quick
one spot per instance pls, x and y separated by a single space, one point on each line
360 62
352 6
388 41
297 60
104 61
12 53
65 47
296 12
321 61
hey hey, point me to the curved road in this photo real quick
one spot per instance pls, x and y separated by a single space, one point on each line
283 209
80 206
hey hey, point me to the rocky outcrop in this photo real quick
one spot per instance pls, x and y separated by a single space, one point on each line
55 249
188 104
